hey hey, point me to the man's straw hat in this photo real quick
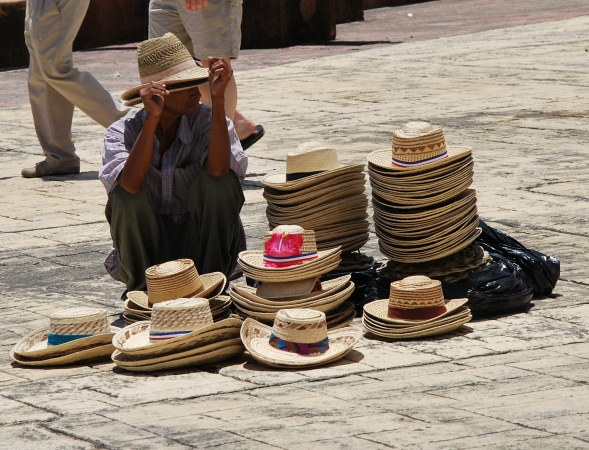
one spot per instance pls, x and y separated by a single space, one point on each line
298 338
73 335
177 279
312 163
165 59
417 146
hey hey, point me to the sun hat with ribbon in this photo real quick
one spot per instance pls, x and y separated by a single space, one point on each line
177 279
413 299
310 164
70 332
174 325
290 251
417 146
298 338
165 59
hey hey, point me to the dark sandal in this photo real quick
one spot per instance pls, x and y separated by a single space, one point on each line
253 138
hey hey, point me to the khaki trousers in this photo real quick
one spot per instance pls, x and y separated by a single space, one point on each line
210 237
55 86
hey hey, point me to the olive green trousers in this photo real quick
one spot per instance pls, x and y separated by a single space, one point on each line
210 237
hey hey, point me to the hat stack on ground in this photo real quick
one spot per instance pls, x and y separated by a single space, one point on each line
181 334
173 280
288 271
415 308
298 338
317 194
76 335
423 209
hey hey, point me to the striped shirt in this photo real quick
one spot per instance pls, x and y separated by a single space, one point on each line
178 166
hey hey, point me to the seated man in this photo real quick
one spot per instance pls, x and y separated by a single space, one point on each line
173 172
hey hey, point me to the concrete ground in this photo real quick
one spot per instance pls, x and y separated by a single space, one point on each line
517 95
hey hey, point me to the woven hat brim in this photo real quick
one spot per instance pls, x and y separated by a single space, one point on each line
425 188
212 357
134 339
77 357
213 284
378 309
357 202
285 290
126 360
412 327
323 222
316 194
255 336
278 181
341 181
428 332
437 175
219 306
39 336
324 304
352 194
328 288
427 202
383 159
196 75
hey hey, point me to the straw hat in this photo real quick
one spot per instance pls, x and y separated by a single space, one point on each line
298 338
310 164
177 279
413 299
290 254
165 59
287 290
417 145
73 335
174 325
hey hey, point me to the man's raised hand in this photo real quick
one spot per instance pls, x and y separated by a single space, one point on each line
196 5
152 96
220 73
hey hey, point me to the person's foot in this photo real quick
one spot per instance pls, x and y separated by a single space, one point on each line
244 126
42 169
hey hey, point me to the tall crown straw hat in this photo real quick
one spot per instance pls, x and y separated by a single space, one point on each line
165 59
417 147
73 335
298 338
177 279
290 254
175 325
310 164
413 299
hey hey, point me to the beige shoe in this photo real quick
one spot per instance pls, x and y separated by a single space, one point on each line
42 169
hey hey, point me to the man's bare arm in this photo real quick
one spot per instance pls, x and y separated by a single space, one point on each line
136 168
219 159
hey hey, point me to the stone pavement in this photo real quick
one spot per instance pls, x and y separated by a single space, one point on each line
517 96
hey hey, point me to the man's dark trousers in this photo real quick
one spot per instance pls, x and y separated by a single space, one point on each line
210 237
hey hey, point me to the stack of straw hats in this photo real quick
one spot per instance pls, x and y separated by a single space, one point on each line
181 334
172 280
415 308
295 282
423 209
76 335
317 194
298 338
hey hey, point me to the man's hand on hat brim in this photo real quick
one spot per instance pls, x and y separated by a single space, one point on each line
196 5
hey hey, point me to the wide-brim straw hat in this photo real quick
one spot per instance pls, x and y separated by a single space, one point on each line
220 309
357 201
290 289
378 310
165 59
78 356
313 163
212 283
331 200
81 321
324 222
443 325
255 336
355 183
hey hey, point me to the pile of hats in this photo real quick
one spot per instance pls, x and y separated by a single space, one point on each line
298 338
173 280
317 194
288 272
75 335
181 334
423 209
415 308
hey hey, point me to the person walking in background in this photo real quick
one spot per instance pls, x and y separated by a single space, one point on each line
56 86
207 28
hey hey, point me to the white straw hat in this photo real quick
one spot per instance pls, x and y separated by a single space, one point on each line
299 338
165 59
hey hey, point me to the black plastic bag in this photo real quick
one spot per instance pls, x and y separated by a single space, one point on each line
538 270
365 290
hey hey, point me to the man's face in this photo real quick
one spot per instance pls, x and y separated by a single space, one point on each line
183 103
